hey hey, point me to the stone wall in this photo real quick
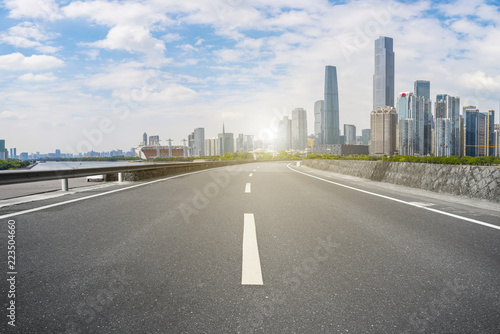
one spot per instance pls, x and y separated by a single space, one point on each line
471 181
171 170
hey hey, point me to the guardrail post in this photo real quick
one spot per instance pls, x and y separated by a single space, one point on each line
64 184
120 177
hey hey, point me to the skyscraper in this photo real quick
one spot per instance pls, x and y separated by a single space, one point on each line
284 137
199 142
383 122
383 79
449 107
349 134
145 139
479 132
226 142
3 154
319 115
365 134
422 88
299 129
331 126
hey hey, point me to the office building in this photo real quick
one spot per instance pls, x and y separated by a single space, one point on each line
211 147
3 151
349 134
226 142
365 136
479 132
284 135
447 106
414 124
383 122
145 139
319 115
443 138
248 143
496 134
197 143
422 88
383 79
331 126
299 129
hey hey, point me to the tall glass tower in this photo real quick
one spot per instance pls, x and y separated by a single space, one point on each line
331 125
383 79
422 88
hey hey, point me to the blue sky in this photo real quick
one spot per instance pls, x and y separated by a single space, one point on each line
167 67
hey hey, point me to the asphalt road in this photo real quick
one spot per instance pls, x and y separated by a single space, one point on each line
221 251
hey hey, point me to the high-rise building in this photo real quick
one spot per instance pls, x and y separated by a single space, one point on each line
443 137
422 88
383 79
415 122
3 151
461 131
490 133
199 142
497 140
349 134
284 136
331 126
365 136
226 142
211 147
449 107
299 129
479 132
145 139
248 143
383 122
319 115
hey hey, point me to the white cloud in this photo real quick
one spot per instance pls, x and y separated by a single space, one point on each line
37 77
34 9
18 62
171 37
29 35
130 38
10 115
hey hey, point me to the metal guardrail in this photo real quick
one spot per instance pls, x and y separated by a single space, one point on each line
23 176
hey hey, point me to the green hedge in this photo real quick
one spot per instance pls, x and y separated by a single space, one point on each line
453 160
13 164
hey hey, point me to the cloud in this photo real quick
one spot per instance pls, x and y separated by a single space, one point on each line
132 39
37 77
18 62
33 9
29 35
10 115
130 25
171 37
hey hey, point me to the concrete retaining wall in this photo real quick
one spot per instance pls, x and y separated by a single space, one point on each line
148 174
470 181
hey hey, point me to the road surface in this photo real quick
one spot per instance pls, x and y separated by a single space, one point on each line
255 248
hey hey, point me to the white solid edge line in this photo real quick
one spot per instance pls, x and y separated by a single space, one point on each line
96 195
401 201
248 188
251 272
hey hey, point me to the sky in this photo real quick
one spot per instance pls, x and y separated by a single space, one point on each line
81 75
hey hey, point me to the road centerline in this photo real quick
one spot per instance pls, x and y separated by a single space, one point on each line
248 188
251 272
251 174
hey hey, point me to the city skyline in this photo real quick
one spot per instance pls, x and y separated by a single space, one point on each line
64 66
